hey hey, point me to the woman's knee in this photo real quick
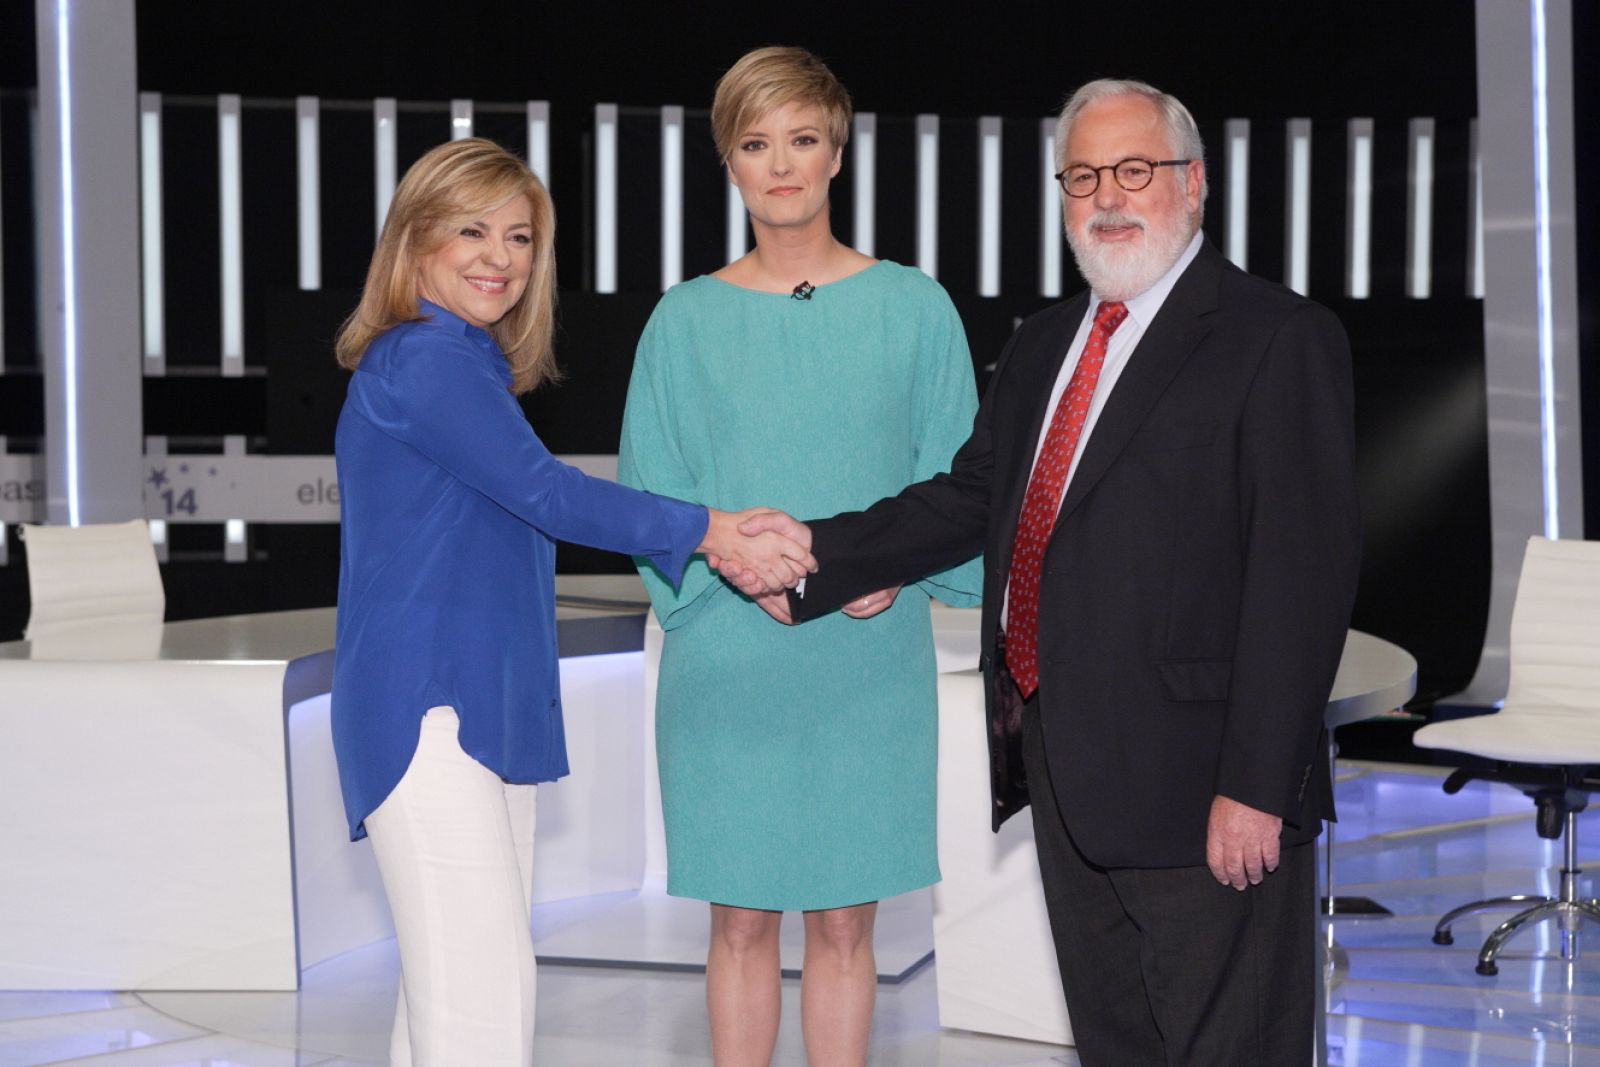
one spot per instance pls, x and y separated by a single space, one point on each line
845 931
744 930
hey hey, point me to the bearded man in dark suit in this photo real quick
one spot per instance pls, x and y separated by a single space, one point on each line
1161 479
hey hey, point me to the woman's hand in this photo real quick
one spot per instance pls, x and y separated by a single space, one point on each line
776 605
766 562
867 606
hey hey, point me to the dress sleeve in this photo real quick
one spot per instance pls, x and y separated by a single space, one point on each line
650 456
447 399
946 400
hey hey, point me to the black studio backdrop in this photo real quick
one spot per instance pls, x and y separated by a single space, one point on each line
1419 364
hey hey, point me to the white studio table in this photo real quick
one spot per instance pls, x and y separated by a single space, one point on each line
172 809
997 966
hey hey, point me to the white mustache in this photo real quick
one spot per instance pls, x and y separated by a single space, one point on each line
1113 218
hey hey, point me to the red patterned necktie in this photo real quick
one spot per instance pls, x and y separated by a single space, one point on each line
1043 500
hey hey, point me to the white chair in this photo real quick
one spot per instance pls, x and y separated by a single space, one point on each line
91 575
1546 737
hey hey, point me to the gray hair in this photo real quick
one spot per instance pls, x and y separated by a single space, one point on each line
1182 133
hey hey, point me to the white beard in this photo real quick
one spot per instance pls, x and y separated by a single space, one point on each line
1122 270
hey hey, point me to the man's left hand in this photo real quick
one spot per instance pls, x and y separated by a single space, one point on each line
1241 843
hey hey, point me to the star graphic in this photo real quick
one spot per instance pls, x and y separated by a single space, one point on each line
158 476
212 471
183 468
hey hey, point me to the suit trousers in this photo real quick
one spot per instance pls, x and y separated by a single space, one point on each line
1164 967
454 844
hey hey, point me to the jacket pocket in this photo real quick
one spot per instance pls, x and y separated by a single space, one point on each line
1196 679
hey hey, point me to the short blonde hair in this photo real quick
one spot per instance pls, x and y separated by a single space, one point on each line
769 78
449 186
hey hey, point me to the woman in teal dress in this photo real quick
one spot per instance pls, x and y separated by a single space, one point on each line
797 764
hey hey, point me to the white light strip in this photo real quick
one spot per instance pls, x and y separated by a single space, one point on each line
234 549
1358 212
385 117
153 282
1546 324
1475 284
605 198
1419 210
671 196
306 116
1297 242
928 194
539 140
460 119
989 206
1237 136
1050 232
231 207
155 455
865 151
69 265
737 244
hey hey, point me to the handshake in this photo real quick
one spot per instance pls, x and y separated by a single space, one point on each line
764 552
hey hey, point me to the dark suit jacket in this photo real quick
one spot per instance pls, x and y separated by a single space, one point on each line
1198 584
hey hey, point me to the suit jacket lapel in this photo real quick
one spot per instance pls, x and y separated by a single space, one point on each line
1167 342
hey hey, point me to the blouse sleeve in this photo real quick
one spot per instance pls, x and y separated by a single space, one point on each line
449 400
946 400
650 456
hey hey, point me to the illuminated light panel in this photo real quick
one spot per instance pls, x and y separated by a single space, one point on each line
989 206
1419 231
1543 295
735 221
69 264
1358 212
605 198
671 196
1475 265
865 152
1050 232
306 125
928 194
460 119
1297 241
231 208
1237 138
385 118
539 140
151 251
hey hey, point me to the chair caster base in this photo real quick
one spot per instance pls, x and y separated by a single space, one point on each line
1442 937
1488 970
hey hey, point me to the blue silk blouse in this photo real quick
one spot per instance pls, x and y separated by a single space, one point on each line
450 507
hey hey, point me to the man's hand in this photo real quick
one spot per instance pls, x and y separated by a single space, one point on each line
866 607
1241 843
776 605
771 556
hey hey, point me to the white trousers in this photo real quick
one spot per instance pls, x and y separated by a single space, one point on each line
454 845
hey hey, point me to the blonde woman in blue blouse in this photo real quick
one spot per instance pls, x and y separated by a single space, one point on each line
446 702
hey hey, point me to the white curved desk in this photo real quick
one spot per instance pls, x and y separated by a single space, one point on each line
172 809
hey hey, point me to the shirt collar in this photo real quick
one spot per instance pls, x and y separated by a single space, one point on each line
441 316
1143 308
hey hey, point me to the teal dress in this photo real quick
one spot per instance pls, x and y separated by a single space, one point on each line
797 763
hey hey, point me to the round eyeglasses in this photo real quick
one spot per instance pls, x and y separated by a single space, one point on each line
1081 180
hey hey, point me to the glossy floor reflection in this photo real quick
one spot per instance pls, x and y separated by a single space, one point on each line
1395 999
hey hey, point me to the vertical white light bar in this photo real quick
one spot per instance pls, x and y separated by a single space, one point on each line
306 123
1050 232
928 194
737 245
385 117
69 266
989 206
1474 213
1358 211
1544 297
230 201
539 140
150 236
671 196
1237 136
865 151
1419 210
460 119
1297 238
235 549
605 198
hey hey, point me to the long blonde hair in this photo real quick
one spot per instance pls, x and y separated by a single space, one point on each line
448 187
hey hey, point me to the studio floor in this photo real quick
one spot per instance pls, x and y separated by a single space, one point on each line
1394 998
